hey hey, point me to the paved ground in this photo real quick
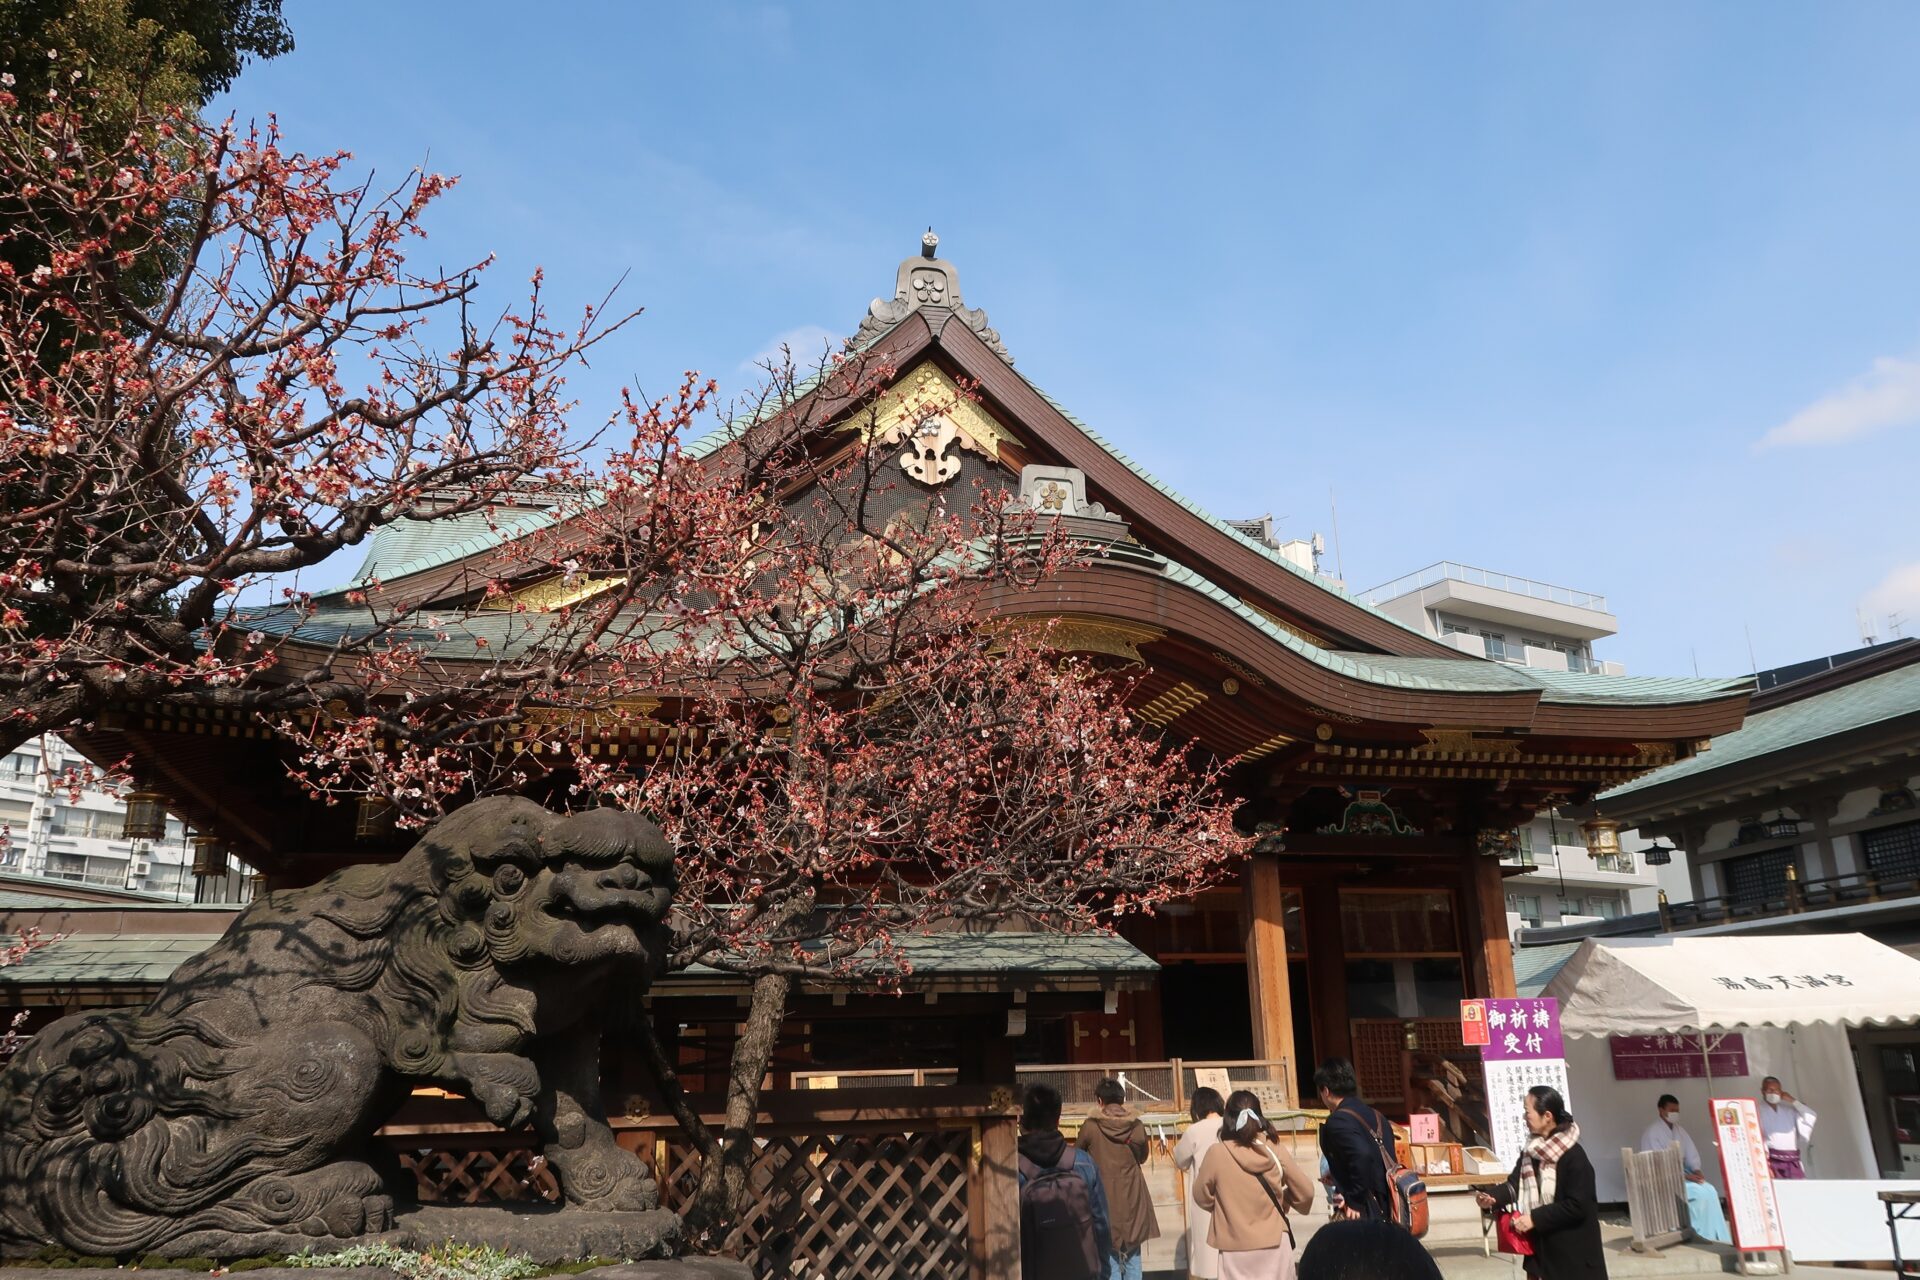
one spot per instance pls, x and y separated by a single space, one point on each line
1453 1238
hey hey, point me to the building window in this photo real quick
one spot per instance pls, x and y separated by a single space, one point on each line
1607 908
1756 878
1527 907
1893 853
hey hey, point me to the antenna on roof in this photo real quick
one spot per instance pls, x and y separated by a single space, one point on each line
1339 562
1867 637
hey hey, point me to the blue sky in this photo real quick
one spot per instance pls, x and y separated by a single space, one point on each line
1620 296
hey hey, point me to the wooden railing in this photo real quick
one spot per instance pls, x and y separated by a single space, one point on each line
1791 897
1163 1086
874 1184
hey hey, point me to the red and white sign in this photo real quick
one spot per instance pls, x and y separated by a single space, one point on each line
1473 1022
1743 1168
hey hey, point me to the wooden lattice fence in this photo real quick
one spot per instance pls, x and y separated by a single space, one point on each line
860 1206
911 1184
476 1169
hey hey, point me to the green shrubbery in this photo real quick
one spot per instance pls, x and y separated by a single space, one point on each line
448 1261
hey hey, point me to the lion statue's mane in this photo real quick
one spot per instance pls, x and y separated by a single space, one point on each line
234 1113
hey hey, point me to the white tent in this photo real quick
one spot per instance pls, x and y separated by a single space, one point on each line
1790 997
1641 986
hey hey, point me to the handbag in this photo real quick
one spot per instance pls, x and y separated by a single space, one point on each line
1507 1239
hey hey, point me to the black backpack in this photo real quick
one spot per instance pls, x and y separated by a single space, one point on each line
1056 1223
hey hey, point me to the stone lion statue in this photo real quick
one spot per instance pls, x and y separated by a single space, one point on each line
233 1114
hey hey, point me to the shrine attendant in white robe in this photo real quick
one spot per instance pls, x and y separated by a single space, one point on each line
1703 1202
1787 1125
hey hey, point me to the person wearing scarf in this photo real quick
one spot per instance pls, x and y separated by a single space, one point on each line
1552 1194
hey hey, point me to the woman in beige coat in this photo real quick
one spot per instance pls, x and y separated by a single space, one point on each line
1247 1183
1203 1262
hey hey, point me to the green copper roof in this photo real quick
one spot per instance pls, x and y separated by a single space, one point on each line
1822 715
95 959
1196 509
1535 967
11 901
1467 674
406 547
136 958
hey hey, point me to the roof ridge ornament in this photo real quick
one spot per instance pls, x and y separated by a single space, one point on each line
931 284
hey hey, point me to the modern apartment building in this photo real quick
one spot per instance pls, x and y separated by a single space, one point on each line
1503 617
52 830
1528 623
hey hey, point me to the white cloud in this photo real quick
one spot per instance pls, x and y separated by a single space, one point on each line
1898 593
808 343
1888 395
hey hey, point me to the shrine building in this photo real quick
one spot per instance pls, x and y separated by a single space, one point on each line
1383 770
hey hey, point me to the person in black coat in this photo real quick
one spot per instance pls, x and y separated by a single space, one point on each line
1552 1190
1355 1162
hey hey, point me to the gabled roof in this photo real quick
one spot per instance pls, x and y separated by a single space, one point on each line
406 547
1787 725
1333 650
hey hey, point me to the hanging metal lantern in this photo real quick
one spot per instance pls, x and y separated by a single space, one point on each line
373 818
1659 855
1783 827
146 816
1602 836
209 857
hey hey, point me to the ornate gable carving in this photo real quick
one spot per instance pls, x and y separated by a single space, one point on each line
929 284
928 413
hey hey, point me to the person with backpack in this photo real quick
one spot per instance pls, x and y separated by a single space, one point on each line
1064 1230
1248 1182
1550 1196
1117 1141
1350 1140
1203 1263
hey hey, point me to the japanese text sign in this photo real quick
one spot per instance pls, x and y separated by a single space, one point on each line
1518 1029
1780 981
1507 1085
1678 1057
1743 1167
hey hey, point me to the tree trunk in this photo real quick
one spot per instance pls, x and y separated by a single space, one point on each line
724 1197
671 1089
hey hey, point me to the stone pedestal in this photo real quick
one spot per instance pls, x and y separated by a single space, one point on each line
547 1235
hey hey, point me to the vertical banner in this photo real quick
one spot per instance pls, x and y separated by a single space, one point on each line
1743 1167
1522 1049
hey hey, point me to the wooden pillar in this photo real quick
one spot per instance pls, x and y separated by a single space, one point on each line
1327 971
1484 908
1267 985
995 1197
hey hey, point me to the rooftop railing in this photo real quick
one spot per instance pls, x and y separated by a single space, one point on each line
1448 571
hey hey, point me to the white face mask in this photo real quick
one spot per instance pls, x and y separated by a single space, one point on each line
1773 1099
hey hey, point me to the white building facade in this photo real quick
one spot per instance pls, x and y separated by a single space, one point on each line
1528 623
51 829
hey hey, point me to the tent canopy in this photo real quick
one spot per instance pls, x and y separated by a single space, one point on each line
1641 986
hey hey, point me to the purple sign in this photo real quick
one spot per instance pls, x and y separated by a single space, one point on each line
1521 1029
1678 1057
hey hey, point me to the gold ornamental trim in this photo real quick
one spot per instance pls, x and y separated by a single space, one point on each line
1074 634
551 594
1171 705
924 394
